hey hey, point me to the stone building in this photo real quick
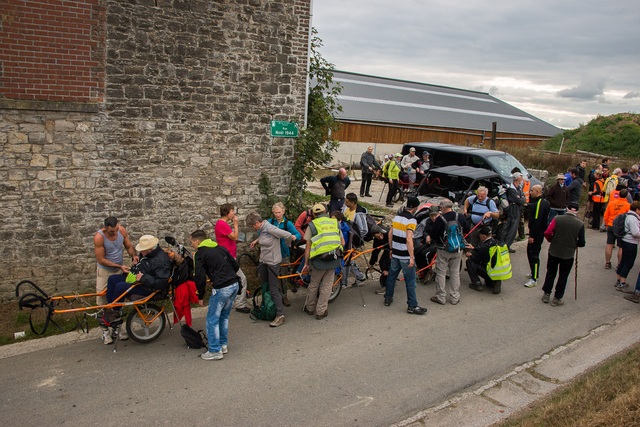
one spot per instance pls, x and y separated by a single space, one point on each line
154 111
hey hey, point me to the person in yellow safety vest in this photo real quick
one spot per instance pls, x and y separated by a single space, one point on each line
322 255
478 260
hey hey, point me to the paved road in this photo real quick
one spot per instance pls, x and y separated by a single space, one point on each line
361 366
365 366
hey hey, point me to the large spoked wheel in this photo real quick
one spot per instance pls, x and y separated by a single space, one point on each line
337 287
399 196
145 323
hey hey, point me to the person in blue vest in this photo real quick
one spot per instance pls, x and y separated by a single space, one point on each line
480 208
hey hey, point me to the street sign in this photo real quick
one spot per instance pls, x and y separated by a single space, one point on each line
282 129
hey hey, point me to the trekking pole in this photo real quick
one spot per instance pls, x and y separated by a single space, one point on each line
474 227
575 289
382 191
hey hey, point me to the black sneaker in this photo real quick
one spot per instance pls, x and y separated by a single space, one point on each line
416 310
476 286
388 301
497 287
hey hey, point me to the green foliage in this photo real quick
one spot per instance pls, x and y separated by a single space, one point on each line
268 199
616 135
315 144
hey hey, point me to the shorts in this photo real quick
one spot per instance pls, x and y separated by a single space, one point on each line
611 238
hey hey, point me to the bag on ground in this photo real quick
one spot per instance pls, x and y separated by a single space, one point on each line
194 339
265 309
499 266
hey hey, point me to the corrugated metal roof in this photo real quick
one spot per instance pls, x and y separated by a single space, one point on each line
382 100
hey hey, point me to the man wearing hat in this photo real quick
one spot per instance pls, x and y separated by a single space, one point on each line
557 196
566 233
407 164
322 255
422 166
393 174
477 262
151 274
402 256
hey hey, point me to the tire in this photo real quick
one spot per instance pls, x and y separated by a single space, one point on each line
139 330
399 196
335 290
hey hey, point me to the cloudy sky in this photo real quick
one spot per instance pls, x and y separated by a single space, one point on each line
564 61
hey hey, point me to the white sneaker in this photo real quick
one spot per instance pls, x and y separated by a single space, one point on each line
225 349
106 336
122 334
212 356
531 283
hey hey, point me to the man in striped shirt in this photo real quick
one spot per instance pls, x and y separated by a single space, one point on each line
402 257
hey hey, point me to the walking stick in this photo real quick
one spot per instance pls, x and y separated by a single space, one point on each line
575 289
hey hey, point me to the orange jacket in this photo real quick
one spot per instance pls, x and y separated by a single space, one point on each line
597 190
615 208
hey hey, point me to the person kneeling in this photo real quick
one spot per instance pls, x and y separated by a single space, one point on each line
478 260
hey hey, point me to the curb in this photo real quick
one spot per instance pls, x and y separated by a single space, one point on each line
532 381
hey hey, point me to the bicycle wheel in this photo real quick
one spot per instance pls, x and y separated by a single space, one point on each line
337 287
145 323
399 196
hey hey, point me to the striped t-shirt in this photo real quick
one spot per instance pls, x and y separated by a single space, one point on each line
401 223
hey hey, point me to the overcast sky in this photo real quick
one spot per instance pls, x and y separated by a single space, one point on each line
563 61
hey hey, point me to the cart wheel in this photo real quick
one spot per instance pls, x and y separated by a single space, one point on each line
429 275
337 287
146 323
399 196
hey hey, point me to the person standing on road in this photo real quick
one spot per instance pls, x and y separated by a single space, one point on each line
393 175
566 233
228 237
368 165
597 199
109 243
402 256
335 186
516 199
407 164
538 217
615 207
322 255
557 196
213 261
575 188
629 246
270 259
444 258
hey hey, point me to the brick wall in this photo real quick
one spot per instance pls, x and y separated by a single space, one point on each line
190 87
52 50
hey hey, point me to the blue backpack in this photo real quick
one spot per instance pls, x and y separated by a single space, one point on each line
453 241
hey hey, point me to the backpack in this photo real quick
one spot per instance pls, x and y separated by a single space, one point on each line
452 239
619 228
499 266
362 225
610 186
194 339
266 309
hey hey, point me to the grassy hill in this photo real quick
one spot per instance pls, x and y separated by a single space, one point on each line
617 135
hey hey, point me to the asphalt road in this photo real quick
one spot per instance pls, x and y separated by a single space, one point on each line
361 366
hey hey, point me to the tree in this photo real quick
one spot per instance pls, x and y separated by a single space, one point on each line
315 143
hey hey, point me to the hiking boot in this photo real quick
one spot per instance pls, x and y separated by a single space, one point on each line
388 301
278 321
381 291
368 195
476 286
389 205
244 310
436 300
106 336
545 298
531 283
225 349
556 302
212 355
512 251
285 301
634 297
309 312
416 310
497 287
323 315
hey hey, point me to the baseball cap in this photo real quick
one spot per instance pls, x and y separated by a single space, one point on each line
318 208
413 202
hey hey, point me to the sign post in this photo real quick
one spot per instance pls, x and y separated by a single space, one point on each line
283 129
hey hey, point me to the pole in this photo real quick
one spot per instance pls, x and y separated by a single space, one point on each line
575 289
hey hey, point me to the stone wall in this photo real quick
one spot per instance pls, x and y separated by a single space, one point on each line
190 88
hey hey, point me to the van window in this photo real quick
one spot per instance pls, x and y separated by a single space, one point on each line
504 164
448 158
478 162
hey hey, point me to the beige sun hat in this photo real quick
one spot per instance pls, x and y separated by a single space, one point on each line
146 242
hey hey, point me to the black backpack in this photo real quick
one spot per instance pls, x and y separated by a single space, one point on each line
194 339
619 227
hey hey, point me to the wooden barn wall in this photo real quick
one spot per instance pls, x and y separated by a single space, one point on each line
374 133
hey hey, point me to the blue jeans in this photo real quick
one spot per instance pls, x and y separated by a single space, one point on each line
409 280
220 305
